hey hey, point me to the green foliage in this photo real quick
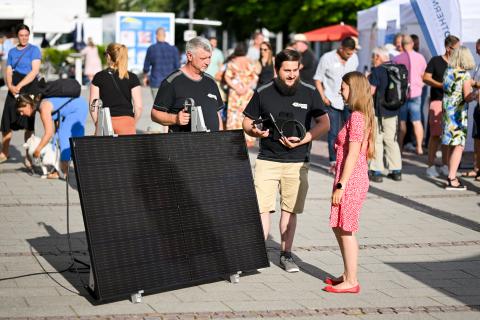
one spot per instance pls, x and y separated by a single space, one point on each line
242 17
101 53
55 56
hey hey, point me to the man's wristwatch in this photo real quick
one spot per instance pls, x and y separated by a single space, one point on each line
339 186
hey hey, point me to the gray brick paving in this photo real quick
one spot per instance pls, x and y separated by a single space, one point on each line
457 316
419 251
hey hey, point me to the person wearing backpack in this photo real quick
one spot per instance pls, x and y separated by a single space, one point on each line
386 116
61 117
411 110
433 77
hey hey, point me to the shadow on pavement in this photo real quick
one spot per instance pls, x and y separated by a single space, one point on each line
74 268
273 250
465 287
415 205
54 248
16 155
439 182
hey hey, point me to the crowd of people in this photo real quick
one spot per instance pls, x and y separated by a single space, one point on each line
452 88
283 101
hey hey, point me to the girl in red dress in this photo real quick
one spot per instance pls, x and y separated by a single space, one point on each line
354 147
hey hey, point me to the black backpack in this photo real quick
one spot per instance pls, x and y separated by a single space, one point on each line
397 88
60 88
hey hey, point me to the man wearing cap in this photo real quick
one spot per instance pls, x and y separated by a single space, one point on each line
328 79
309 62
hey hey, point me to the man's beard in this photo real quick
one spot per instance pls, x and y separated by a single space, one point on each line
285 89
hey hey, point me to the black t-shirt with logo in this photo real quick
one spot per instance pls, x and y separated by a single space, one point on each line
117 97
304 105
436 66
177 87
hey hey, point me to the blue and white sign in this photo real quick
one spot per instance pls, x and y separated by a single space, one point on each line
137 31
438 19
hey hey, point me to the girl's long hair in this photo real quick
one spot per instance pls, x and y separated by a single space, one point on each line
269 53
118 54
360 99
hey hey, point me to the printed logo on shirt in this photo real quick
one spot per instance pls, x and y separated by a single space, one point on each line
212 96
300 105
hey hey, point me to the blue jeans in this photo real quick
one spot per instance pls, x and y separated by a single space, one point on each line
411 110
337 119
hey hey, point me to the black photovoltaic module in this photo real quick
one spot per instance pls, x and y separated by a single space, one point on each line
167 210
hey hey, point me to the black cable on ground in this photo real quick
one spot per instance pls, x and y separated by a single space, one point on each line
73 261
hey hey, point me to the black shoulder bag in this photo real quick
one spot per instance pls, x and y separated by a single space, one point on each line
20 58
129 101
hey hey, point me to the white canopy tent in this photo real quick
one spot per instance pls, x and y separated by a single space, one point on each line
376 26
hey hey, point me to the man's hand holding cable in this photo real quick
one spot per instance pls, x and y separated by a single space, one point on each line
183 117
293 142
259 133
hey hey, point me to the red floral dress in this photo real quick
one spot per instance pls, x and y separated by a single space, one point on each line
345 215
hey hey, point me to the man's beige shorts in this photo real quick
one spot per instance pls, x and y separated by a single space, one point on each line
291 179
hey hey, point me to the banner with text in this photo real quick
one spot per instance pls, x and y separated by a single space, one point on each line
438 19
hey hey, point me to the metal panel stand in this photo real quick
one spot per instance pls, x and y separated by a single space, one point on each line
197 122
104 120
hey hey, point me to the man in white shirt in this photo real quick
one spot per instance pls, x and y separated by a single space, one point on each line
328 79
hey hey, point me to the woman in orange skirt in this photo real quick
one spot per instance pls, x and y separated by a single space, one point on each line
117 87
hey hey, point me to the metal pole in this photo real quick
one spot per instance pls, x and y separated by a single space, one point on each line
225 42
191 11
279 42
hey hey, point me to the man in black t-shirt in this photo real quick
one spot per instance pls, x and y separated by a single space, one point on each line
283 157
190 81
434 78
386 143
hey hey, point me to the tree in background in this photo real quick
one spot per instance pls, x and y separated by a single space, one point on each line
242 17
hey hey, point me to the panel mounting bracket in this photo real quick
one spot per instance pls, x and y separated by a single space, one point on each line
235 278
136 297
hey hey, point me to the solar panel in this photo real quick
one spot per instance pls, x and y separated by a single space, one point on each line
166 210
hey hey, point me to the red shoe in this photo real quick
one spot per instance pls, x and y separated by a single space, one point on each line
331 289
332 282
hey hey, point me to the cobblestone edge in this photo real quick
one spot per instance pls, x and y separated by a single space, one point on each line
270 313
297 249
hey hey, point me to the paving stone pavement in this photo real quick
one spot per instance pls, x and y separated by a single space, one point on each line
419 255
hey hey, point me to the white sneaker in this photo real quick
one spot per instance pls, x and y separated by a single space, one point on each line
432 172
444 170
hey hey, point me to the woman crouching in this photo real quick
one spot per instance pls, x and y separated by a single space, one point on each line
62 118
